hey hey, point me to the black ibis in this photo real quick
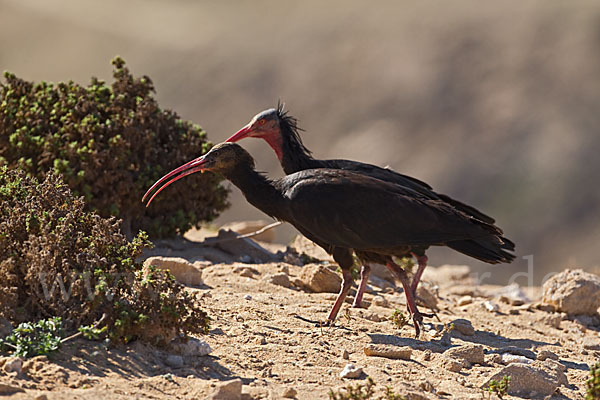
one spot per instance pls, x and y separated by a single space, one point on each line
280 130
343 211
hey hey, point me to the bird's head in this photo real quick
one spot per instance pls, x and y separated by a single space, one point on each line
275 126
263 125
223 158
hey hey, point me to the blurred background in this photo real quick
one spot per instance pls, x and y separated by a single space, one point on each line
494 103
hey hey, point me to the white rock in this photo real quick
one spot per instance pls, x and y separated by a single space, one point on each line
490 306
573 291
508 358
247 297
351 371
463 301
512 294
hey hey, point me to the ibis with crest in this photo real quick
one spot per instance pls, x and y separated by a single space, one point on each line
343 212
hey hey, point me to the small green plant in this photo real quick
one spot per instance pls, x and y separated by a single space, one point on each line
31 339
363 392
500 388
399 319
592 386
91 332
407 264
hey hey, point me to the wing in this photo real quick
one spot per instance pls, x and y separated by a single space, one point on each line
355 211
389 175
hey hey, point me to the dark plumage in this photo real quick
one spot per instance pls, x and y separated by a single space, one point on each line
343 211
281 132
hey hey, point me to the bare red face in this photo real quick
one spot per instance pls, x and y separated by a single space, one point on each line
264 125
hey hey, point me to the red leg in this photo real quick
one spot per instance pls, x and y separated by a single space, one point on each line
410 299
422 260
364 277
346 285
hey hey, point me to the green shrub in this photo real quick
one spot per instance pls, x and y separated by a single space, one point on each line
109 143
56 259
34 339
592 386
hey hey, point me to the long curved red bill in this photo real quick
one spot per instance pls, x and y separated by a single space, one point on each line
186 169
239 135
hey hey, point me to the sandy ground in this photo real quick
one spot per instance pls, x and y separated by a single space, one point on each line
260 335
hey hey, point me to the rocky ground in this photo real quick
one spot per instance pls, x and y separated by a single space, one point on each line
263 344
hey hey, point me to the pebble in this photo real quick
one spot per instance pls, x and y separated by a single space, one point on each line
40 397
351 371
345 354
319 278
546 354
13 364
463 326
591 343
191 347
490 306
247 297
425 296
279 279
246 272
472 353
228 390
427 355
552 320
573 291
183 271
174 361
380 301
388 351
289 393
452 364
463 301
494 358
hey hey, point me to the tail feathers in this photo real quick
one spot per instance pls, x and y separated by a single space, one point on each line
490 249
469 210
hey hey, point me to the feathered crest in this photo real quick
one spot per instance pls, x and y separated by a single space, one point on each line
290 129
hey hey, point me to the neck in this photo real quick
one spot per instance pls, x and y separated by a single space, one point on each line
258 191
294 156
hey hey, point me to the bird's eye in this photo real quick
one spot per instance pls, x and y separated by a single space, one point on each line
261 121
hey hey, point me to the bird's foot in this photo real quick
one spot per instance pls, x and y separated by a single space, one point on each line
325 324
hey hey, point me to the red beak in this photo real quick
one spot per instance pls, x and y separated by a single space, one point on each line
186 169
242 133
